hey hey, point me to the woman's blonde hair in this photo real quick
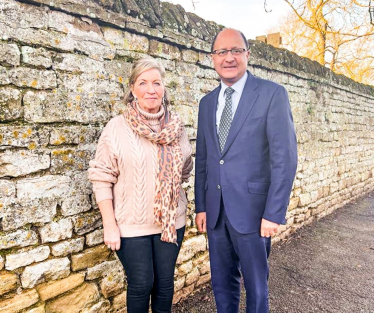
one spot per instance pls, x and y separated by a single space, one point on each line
138 68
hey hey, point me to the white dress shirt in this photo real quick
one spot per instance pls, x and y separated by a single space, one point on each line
238 90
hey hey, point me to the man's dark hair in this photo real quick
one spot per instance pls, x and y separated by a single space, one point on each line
215 38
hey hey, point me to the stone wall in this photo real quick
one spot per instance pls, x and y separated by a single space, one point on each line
63 69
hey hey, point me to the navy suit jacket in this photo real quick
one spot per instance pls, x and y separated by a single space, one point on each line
255 172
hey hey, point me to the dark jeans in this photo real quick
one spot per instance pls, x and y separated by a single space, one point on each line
149 264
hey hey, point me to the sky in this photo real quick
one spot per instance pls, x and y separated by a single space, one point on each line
249 16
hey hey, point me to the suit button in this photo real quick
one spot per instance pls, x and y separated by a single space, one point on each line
221 162
218 186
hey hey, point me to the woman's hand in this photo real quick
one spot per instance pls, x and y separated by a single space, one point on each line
112 236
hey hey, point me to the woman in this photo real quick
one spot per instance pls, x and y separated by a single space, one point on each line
141 160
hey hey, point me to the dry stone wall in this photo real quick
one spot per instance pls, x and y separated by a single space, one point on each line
63 75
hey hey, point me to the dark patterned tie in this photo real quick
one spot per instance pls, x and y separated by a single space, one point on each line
226 118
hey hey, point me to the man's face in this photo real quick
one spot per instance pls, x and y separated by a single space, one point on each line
230 67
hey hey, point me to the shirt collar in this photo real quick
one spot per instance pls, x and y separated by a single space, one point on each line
238 86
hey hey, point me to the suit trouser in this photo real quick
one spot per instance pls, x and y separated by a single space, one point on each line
231 253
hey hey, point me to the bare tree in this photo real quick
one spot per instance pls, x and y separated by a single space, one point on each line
336 33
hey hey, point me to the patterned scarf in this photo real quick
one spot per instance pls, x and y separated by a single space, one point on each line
170 166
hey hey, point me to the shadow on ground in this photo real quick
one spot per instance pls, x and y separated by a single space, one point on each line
327 266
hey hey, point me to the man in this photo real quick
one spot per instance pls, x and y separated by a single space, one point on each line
246 159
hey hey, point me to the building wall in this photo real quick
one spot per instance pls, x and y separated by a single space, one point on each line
63 75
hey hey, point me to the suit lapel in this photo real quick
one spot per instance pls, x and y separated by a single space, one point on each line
212 113
247 100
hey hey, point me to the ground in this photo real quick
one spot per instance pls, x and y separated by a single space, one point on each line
327 267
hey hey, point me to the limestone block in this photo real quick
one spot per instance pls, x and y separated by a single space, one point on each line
118 70
54 288
39 309
49 186
37 56
8 282
203 280
67 247
23 16
33 36
73 135
186 113
185 268
190 247
19 163
90 84
193 276
190 56
179 283
167 64
305 199
84 35
24 137
205 59
293 203
119 301
101 307
21 259
314 195
80 185
19 302
75 205
124 41
19 238
64 160
163 50
189 70
181 294
81 298
9 54
4 75
211 75
89 257
134 25
10 104
176 83
103 269
78 64
87 222
33 78
113 283
204 258
204 268
7 191
56 231
47 107
45 271
1 263
334 187
205 86
24 212
95 238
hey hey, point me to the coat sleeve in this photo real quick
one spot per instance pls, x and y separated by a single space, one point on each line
200 164
187 154
103 171
282 141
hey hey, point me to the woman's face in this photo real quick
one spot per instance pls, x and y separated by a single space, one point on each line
149 90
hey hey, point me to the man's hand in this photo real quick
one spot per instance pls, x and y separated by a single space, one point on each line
268 228
201 222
